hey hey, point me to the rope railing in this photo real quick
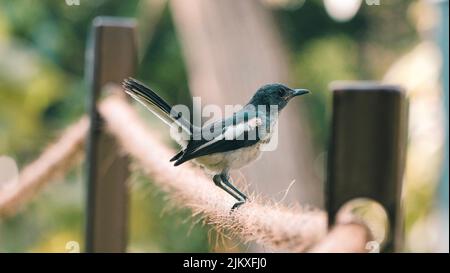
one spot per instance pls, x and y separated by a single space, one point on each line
276 226
56 160
347 238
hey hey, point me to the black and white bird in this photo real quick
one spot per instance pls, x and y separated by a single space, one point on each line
223 145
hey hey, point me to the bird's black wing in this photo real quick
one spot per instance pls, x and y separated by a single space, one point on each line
244 129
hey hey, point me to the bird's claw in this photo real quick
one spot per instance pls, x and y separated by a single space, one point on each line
237 205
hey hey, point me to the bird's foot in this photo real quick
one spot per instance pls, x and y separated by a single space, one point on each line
237 205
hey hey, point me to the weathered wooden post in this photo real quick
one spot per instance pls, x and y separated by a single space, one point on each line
367 150
111 57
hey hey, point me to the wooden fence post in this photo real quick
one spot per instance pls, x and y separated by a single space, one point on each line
111 57
367 151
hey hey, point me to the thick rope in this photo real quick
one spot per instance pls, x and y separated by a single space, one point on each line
273 225
345 238
56 160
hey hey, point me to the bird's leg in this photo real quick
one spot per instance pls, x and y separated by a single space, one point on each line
225 179
218 181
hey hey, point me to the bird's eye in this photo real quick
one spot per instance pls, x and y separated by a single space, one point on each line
282 92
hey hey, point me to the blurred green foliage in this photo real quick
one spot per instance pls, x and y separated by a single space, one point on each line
42 89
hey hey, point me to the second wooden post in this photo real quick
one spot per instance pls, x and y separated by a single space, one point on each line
111 57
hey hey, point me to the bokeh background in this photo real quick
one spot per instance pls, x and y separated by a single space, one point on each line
222 51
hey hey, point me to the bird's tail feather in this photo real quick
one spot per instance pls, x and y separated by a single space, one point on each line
156 104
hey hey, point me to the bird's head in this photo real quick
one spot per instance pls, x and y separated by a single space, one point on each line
275 94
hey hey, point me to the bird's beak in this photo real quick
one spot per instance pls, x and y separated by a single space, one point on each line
299 92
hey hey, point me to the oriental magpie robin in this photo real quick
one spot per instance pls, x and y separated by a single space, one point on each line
223 145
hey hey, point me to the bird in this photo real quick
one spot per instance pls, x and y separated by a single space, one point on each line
226 144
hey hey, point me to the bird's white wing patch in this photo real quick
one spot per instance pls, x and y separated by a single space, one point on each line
233 132
254 122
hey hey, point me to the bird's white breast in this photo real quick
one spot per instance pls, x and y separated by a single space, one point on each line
232 160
